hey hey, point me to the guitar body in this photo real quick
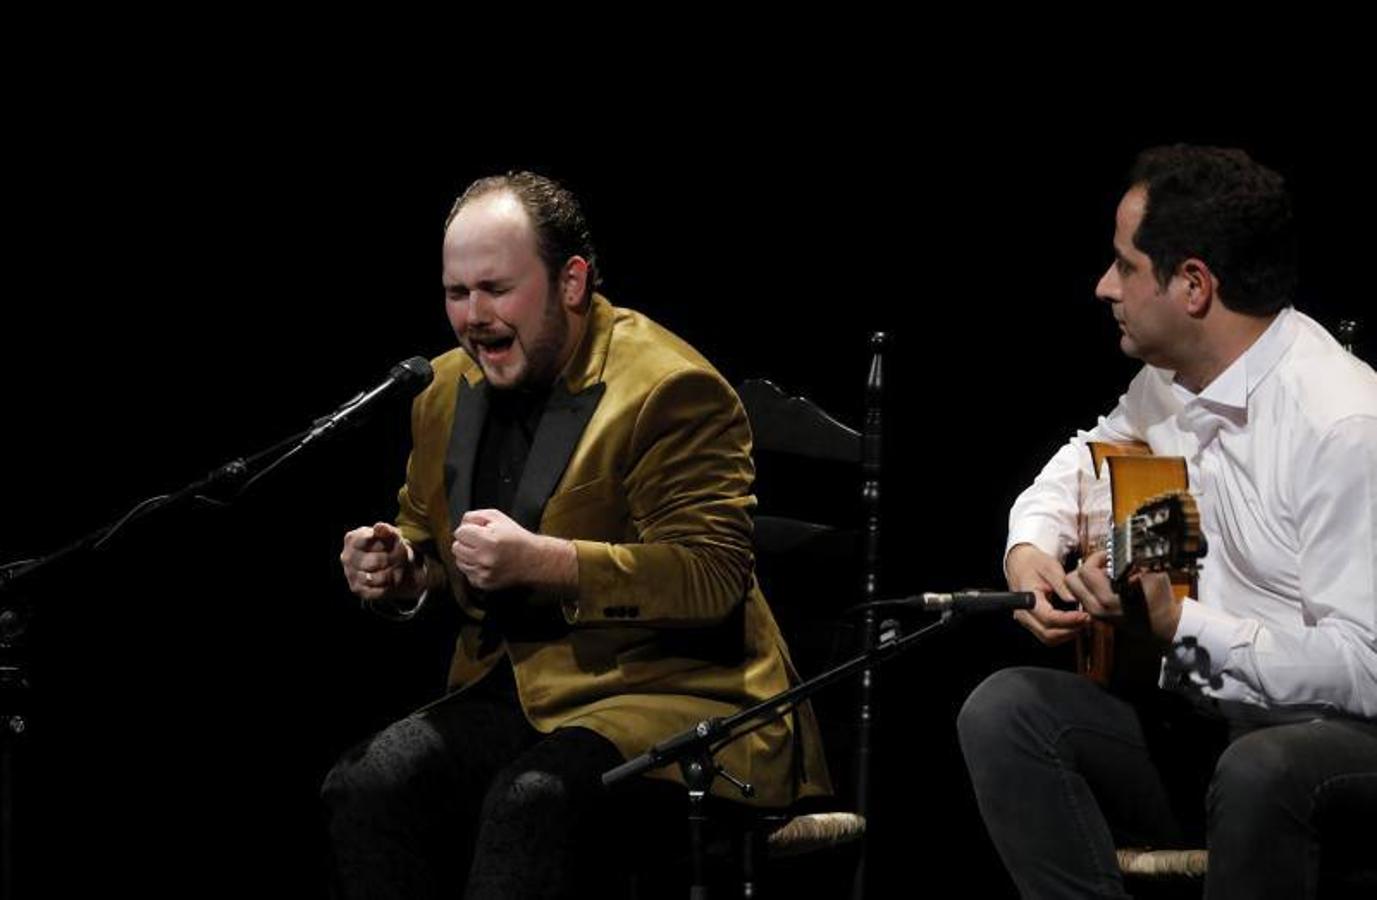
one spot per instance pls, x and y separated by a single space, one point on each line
1117 658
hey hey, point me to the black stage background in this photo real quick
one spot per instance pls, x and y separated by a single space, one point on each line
193 275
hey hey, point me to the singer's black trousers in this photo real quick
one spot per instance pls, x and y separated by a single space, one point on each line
1064 771
465 798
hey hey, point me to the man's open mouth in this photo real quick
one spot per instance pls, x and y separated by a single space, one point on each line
493 347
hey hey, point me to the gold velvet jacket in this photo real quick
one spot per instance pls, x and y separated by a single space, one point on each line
643 459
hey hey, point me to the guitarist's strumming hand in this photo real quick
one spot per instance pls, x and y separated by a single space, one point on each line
1029 569
1090 585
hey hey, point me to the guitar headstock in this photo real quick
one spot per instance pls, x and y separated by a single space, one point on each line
1162 535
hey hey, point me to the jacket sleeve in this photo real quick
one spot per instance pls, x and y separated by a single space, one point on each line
687 490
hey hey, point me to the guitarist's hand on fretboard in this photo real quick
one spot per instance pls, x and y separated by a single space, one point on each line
1030 569
1090 585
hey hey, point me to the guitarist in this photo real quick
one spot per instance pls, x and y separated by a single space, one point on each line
1271 667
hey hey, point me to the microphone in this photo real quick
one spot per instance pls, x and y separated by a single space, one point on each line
974 601
959 602
412 374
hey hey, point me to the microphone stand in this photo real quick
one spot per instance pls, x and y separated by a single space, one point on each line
19 579
693 749
25 575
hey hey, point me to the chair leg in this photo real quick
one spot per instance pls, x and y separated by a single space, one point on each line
751 859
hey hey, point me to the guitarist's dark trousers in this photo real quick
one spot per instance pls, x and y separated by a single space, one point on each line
1064 771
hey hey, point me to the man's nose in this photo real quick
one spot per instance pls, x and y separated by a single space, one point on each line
480 308
1108 287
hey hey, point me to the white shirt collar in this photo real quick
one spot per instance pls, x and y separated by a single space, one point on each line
1231 388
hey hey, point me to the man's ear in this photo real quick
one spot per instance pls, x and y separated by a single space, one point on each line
1200 284
573 282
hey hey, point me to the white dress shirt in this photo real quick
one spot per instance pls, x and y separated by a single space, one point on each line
1281 452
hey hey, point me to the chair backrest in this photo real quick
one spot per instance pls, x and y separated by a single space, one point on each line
817 542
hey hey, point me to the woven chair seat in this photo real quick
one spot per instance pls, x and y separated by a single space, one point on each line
815 831
1163 863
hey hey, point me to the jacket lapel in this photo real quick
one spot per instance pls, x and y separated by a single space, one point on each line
565 419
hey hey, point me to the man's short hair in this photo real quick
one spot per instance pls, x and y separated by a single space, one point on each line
1218 205
560 228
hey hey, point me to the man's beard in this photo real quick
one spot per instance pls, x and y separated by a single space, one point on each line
543 354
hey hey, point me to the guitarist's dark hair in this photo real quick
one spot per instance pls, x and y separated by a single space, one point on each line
1218 205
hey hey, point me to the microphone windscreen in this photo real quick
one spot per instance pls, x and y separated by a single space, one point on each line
415 371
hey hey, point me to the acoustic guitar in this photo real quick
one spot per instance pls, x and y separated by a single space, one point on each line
1151 524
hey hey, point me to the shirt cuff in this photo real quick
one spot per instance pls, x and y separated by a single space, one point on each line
1204 639
1039 532
572 603
389 609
